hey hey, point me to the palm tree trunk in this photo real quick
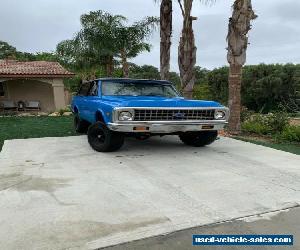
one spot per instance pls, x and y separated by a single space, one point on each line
235 84
238 28
187 51
165 37
125 67
110 65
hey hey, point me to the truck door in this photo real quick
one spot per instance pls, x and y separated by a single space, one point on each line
92 99
81 100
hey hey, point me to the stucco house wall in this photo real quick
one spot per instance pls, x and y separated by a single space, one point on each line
49 92
35 81
31 90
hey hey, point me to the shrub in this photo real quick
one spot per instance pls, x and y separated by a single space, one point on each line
277 121
246 114
202 92
256 127
289 134
62 111
265 87
272 123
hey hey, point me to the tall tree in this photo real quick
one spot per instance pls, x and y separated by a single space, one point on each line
238 28
103 38
7 50
97 36
66 53
187 50
165 37
130 40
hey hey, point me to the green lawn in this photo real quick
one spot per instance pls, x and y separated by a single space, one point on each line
35 127
287 147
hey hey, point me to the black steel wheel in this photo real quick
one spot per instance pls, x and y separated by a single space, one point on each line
102 139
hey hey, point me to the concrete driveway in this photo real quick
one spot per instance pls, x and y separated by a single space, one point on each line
57 193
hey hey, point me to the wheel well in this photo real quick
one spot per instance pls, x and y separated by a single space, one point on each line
99 117
75 110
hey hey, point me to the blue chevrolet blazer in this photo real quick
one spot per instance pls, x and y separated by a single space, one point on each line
110 109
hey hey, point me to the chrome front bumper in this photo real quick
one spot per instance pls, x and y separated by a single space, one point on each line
166 127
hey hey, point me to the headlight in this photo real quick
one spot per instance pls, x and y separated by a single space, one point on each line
125 116
220 115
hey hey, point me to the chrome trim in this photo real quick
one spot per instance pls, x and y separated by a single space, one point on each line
174 114
165 128
131 109
183 122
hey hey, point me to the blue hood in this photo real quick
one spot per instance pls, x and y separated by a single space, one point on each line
156 101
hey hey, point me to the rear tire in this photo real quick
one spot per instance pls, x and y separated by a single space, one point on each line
102 139
81 126
199 139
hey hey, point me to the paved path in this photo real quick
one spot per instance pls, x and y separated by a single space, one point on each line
57 193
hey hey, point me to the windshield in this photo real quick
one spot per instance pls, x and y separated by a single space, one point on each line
138 89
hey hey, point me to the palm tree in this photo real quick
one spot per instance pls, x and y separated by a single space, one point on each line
130 40
165 37
238 28
102 38
187 50
97 37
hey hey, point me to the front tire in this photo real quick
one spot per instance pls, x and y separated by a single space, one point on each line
102 139
199 139
81 126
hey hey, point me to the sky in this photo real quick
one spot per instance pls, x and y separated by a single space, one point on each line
38 25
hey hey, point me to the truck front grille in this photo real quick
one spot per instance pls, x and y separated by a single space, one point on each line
173 114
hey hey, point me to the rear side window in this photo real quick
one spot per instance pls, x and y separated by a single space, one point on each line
93 89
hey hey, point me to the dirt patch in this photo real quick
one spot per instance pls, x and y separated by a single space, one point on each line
41 184
258 138
10 180
295 121
24 183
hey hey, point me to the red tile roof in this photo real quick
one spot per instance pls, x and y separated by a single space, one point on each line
16 69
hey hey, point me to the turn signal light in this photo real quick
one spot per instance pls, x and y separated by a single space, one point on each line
207 127
141 128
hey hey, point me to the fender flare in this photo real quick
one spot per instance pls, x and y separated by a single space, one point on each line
102 118
75 110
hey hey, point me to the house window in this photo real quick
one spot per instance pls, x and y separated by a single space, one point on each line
1 89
